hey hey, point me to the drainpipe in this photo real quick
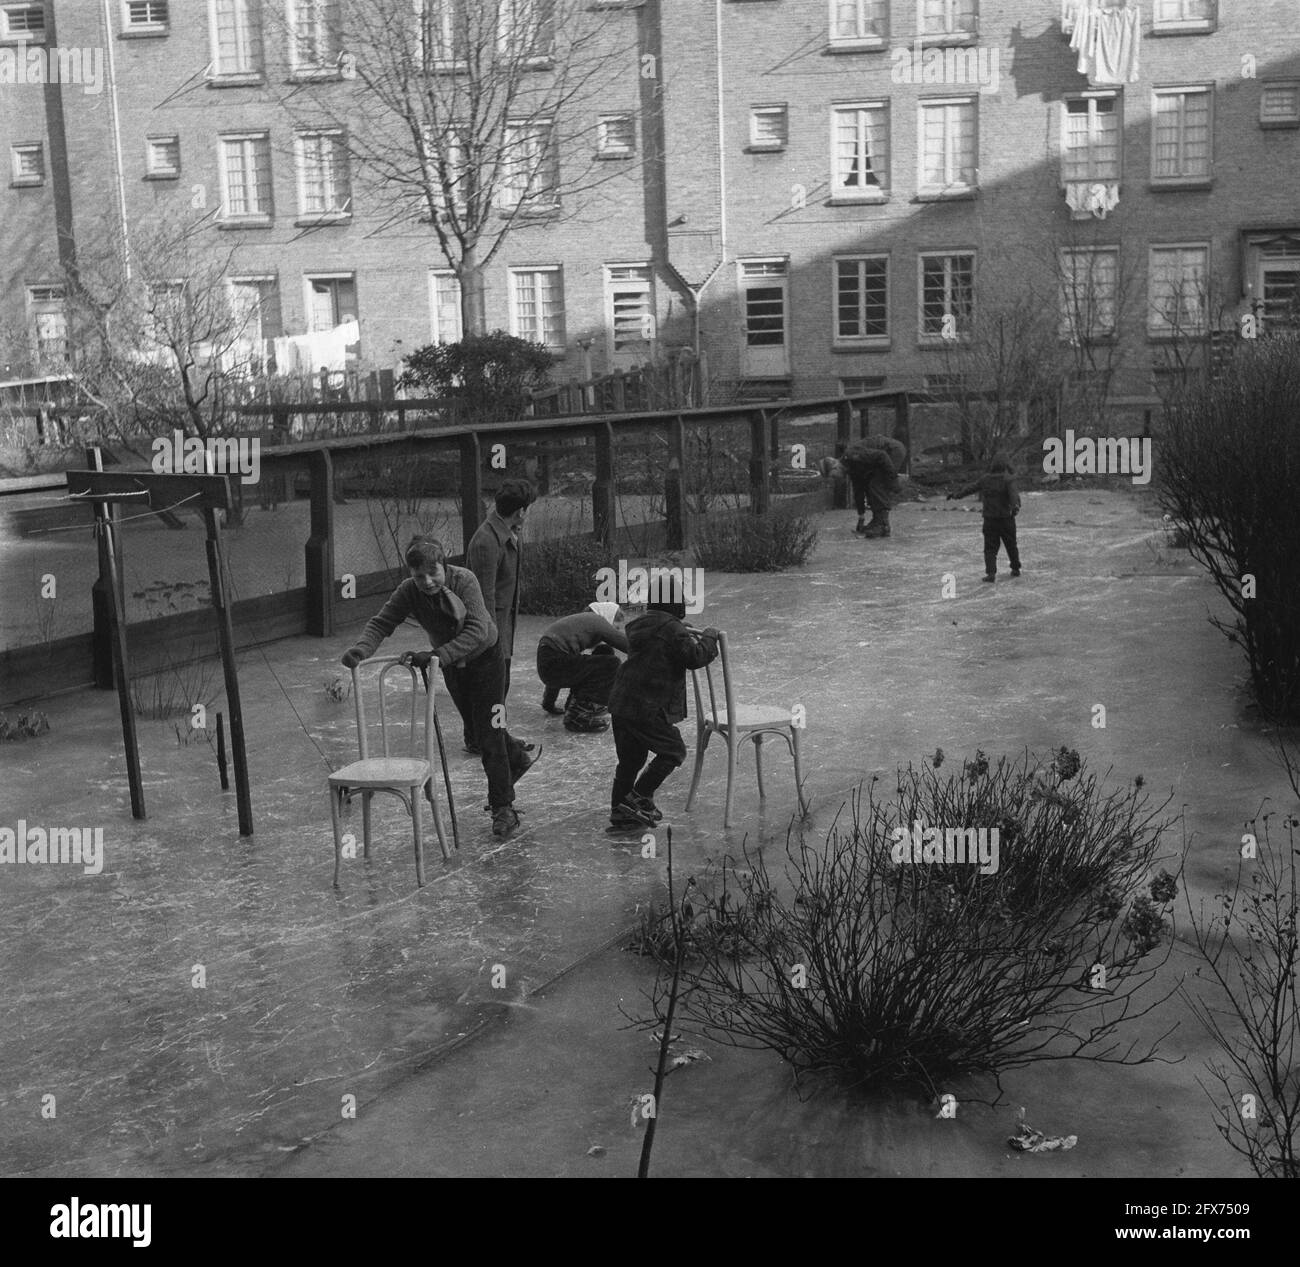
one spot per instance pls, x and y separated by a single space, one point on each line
110 66
722 172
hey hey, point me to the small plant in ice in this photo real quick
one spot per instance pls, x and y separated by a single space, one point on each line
25 726
339 688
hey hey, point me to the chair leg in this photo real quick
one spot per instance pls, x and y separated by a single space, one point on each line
338 833
366 798
419 839
701 742
758 765
437 818
732 741
798 771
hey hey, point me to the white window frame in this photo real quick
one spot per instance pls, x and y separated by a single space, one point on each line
24 36
1159 329
152 170
878 381
444 315
608 148
335 178
1183 90
777 110
157 20
49 299
18 178
937 340
246 217
1093 173
541 51
840 340
858 40
1182 24
953 30
951 189
327 21
516 324
878 192
259 280
1281 120
1097 298
249 25
644 286
531 198
353 349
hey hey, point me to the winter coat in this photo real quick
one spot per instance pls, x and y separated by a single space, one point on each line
652 680
455 618
874 454
578 633
493 557
998 494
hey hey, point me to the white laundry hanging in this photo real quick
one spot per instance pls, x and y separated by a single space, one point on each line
1091 198
1108 42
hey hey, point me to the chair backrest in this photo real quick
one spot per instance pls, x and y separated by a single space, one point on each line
391 663
718 669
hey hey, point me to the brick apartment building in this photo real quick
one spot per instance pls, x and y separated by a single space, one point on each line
822 195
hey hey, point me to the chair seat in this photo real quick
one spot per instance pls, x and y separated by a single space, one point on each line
382 772
753 717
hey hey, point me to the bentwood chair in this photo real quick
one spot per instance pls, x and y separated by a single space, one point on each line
736 724
409 778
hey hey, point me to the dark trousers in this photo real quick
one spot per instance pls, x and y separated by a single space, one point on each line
476 690
872 488
636 740
588 677
1000 531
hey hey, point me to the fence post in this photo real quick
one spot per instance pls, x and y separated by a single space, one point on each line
675 485
471 488
775 467
702 379
620 392
101 592
843 438
320 546
903 428
758 481
602 491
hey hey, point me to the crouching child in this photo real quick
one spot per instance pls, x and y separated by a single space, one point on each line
646 703
578 652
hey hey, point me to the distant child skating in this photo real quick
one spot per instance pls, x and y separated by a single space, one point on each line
1001 504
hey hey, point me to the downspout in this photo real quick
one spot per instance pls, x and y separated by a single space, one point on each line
110 63
722 172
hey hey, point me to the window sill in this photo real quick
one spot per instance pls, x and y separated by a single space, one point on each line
862 345
26 183
863 200
1110 340
772 147
530 213
246 222
21 41
1197 26
952 39
315 74
612 156
144 33
1279 125
316 221
244 79
937 343
873 44
162 176
964 194
1177 183
1175 336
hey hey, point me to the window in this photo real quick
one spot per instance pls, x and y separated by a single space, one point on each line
1179 290
861 383
236 30
316 40
764 285
23 22
529 171
246 177
331 302
859 23
1089 291
28 164
527 29
948 17
162 157
255 304
862 300
629 309
1183 15
947 296
323 185
948 146
1279 105
537 306
1181 144
860 151
451 176
444 306
443 31
615 135
769 127
48 323
144 17
1090 146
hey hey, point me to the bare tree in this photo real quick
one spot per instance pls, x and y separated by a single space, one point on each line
478 116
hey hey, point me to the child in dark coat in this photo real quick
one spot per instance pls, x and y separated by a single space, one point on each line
1001 504
647 702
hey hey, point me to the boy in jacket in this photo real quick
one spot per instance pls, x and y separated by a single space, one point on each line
873 465
1000 502
646 703
448 604
577 652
